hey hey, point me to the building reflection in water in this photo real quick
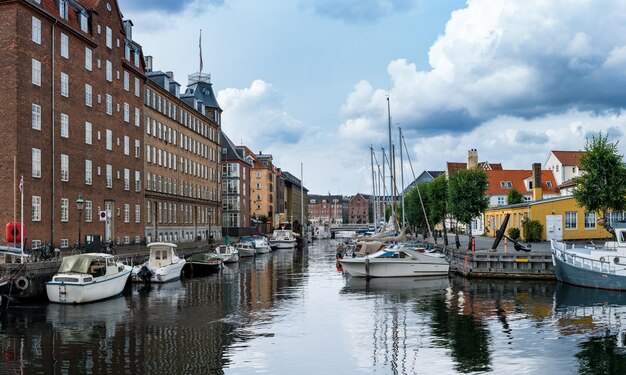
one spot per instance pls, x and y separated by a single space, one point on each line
186 326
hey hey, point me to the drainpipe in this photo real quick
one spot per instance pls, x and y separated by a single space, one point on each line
53 158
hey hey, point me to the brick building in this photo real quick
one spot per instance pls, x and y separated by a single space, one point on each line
182 134
236 171
71 110
295 199
325 209
359 208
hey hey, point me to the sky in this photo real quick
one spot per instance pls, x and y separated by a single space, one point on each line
308 81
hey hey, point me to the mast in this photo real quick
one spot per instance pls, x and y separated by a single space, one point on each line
301 199
402 178
384 188
374 189
392 181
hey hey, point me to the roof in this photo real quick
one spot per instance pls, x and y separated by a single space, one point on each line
530 203
517 177
485 165
569 157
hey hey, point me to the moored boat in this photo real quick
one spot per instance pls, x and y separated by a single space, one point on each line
601 267
87 278
227 253
283 239
205 263
261 245
395 262
245 249
162 266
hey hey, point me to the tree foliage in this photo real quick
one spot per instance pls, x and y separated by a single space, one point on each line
413 206
514 197
466 194
532 230
438 199
602 185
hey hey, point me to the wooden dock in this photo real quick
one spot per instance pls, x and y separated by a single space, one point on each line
510 265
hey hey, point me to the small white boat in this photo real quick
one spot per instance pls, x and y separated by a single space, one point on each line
87 278
227 253
245 249
602 267
162 266
261 245
395 262
283 239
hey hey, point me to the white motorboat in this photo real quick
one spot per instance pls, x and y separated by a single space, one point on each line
162 266
227 253
245 249
283 239
395 262
261 245
87 278
601 267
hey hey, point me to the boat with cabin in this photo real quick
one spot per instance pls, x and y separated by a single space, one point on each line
87 278
245 249
163 264
261 244
227 253
283 239
602 267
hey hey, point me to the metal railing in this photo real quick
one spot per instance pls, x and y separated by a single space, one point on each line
605 264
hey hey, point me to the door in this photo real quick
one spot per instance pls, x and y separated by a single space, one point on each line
108 224
554 227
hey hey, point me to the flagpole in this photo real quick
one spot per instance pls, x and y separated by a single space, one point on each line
200 47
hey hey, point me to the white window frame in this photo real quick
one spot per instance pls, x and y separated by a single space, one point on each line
88 59
137 117
126 145
137 213
137 181
571 220
126 81
36 30
109 37
109 176
109 105
65 85
109 139
88 95
65 46
36 72
36 208
88 211
65 126
109 71
137 87
137 148
88 172
126 112
65 207
126 179
65 168
88 133
36 162
36 116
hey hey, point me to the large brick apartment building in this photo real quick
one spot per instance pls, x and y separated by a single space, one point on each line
71 110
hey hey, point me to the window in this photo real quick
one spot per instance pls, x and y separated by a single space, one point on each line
36 213
506 184
137 181
82 17
65 125
549 184
126 81
65 85
148 154
109 38
36 117
88 95
65 168
88 172
36 30
137 117
65 205
137 213
36 162
571 220
65 46
88 211
109 100
590 220
36 72
109 139
127 213
137 87
88 135
126 179
109 176
126 112
63 9
109 71
88 58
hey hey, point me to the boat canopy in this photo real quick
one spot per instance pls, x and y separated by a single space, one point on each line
79 263
367 248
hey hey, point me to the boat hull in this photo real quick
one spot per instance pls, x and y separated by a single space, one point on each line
571 274
358 267
283 244
99 289
164 274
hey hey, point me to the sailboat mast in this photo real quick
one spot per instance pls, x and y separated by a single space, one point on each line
384 188
402 178
374 188
392 181
301 199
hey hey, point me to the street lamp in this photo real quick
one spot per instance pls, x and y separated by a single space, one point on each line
79 206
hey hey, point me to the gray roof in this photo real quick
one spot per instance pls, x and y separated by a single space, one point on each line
203 91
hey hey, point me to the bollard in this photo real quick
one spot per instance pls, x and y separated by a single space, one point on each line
473 244
506 245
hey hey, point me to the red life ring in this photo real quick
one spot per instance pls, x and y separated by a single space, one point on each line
14 232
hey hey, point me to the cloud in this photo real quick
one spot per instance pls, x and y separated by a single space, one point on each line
255 116
504 58
525 137
167 6
359 11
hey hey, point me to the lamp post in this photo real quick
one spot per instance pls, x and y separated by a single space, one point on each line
79 206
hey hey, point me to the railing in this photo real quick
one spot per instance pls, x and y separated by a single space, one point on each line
606 264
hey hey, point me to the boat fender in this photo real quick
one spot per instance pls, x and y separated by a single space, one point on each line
616 260
22 283
602 260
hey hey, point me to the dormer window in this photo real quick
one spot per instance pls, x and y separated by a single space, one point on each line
63 9
549 184
82 17
506 184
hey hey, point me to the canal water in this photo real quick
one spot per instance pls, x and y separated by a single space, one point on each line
291 312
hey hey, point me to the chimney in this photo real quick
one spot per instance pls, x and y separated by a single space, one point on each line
148 63
472 158
537 191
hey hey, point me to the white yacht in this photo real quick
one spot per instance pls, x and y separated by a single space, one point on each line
227 253
245 249
395 262
87 278
162 266
283 239
261 245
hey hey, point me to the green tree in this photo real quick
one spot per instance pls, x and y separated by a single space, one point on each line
466 195
438 203
602 186
514 197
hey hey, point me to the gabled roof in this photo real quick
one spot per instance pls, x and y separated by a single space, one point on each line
517 177
484 165
569 157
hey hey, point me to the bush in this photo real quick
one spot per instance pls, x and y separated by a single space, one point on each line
514 233
532 230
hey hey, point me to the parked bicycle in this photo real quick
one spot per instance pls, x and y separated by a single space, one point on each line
78 248
108 248
45 252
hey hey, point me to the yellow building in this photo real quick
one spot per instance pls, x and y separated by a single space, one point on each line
561 217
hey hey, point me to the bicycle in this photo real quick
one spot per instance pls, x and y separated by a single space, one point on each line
108 248
78 248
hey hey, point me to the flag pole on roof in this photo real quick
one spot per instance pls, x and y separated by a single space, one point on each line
200 47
